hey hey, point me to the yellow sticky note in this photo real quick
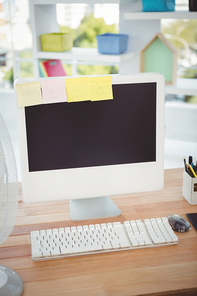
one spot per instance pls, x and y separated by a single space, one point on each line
29 94
101 88
77 89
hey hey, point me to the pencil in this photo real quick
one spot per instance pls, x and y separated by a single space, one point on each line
191 168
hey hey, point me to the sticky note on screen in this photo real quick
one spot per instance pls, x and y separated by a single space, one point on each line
101 88
29 94
53 91
77 89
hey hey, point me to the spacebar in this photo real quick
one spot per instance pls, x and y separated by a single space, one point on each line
81 249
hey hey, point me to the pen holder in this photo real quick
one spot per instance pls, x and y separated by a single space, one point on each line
189 188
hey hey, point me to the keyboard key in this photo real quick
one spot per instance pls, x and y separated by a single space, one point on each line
140 226
115 244
36 253
46 252
133 241
35 233
116 224
146 239
107 246
124 244
109 225
42 232
55 231
103 225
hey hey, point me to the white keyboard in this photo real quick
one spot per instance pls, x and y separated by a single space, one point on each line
101 238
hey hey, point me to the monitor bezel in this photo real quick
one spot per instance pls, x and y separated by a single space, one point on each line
97 181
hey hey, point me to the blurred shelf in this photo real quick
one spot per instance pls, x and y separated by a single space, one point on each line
86 54
160 15
184 86
48 2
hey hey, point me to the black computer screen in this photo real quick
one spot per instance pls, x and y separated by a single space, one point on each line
88 134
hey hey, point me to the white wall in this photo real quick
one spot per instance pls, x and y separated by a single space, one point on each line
180 133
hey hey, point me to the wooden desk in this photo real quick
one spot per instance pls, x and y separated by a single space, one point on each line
149 271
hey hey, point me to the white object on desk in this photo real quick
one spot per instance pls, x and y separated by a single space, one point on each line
97 178
10 281
190 188
101 238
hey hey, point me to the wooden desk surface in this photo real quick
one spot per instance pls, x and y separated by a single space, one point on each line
149 271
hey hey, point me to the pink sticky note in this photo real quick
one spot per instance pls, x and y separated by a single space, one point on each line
53 91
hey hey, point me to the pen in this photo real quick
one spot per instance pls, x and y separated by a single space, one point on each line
185 164
190 159
195 168
192 170
189 172
187 169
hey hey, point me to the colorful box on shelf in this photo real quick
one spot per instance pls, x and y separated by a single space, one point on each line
51 68
57 42
158 5
109 43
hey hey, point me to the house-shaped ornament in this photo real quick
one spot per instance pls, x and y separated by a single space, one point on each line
160 56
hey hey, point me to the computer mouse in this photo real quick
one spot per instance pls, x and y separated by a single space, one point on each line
179 223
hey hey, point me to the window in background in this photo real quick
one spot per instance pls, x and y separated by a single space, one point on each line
183 35
16 39
86 22
6 58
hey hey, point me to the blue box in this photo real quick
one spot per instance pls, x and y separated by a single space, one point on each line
112 43
158 5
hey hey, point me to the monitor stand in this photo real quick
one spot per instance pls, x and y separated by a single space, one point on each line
93 208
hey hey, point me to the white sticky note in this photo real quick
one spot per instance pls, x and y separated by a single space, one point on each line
53 91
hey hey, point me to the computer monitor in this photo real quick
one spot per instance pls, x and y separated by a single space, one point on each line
87 151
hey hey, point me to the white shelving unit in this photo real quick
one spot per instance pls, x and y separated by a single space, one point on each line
140 26
87 54
160 15
47 2
184 86
44 20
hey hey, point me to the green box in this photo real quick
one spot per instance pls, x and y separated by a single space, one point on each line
56 42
